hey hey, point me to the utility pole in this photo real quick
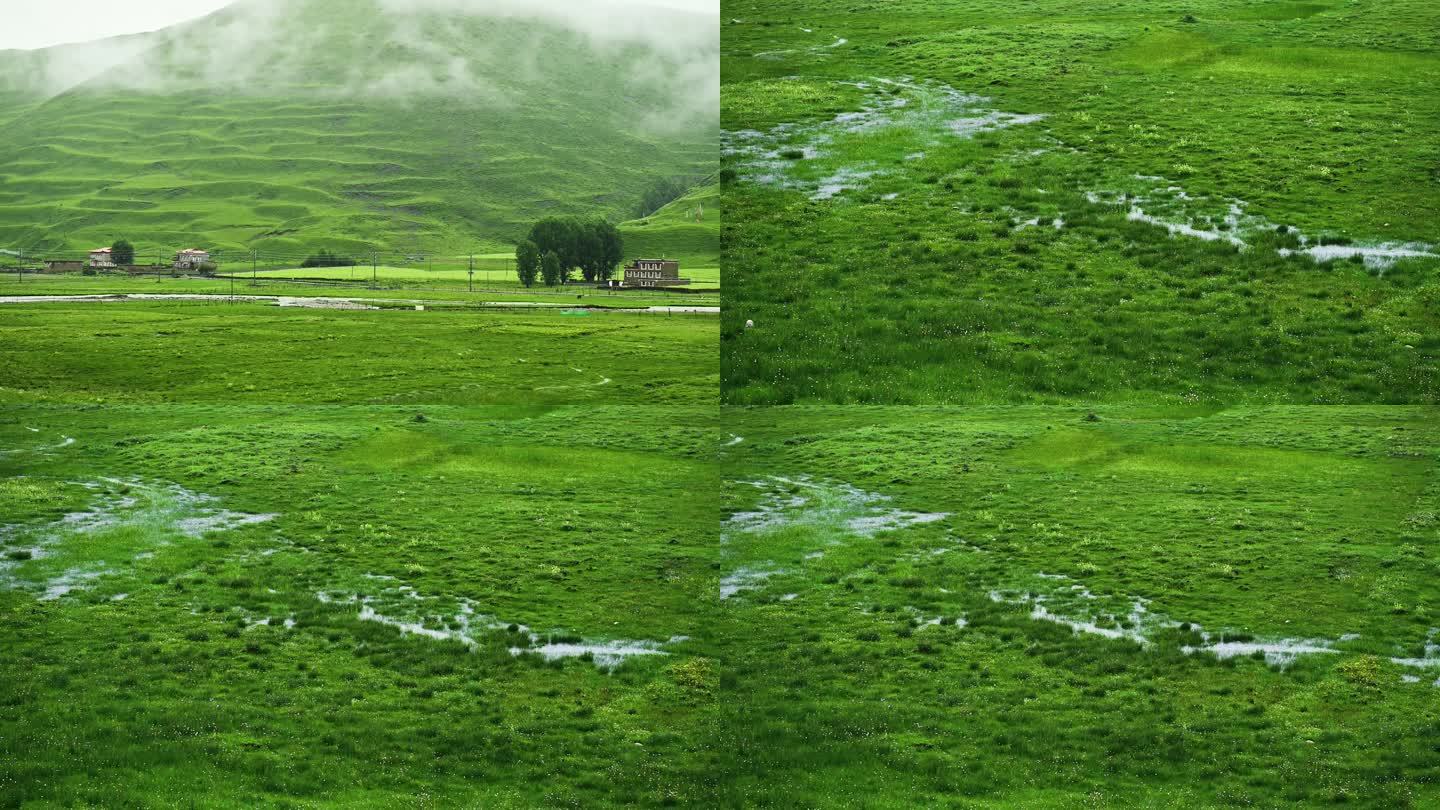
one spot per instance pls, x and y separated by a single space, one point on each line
472 272
374 269
22 266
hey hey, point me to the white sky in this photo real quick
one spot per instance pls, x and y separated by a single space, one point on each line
42 23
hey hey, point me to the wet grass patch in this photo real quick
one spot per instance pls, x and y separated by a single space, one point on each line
199 666
889 266
1157 604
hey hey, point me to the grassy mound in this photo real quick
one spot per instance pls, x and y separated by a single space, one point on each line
687 229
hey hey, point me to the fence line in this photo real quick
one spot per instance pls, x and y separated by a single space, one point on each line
245 267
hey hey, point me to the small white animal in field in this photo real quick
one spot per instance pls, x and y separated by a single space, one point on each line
749 324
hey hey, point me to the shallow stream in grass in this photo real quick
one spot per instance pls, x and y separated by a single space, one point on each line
1163 204
812 51
825 513
1060 600
797 520
127 520
602 381
460 621
62 443
898 119
1429 658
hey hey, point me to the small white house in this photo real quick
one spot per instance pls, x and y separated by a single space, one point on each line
100 257
191 259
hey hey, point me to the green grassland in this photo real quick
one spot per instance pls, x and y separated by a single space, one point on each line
319 557
941 202
687 229
403 285
932 607
491 273
343 128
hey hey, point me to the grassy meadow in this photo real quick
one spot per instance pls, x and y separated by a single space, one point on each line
1094 356
272 556
1056 606
1072 438
489 273
402 287
253 556
947 203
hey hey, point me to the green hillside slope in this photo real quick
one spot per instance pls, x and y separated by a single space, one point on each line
347 124
687 229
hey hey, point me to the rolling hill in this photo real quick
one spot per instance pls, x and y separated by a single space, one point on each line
352 124
687 229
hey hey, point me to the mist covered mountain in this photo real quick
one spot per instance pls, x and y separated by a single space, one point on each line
398 124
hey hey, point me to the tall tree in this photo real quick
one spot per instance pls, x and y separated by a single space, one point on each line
122 252
594 246
561 236
587 250
550 268
527 262
612 249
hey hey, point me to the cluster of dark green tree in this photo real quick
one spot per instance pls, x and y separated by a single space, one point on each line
122 253
327 259
557 246
662 192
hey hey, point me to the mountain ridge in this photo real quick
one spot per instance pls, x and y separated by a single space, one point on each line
446 130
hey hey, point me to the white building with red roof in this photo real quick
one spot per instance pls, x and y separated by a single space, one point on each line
100 257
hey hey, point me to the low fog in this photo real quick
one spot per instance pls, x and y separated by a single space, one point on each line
401 50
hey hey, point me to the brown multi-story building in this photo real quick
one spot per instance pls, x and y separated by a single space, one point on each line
191 259
653 273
